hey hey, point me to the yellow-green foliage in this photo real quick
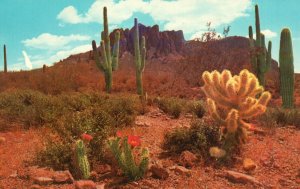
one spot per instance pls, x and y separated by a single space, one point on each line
232 99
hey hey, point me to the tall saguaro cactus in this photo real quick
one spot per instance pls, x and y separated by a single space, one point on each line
109 61
5 60
139 57
286 68
260 57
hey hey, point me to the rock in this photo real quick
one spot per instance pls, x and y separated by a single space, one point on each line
14 175
103 168
161 42
142 124
42 180
94 176
187 159
249 164
2 140
188 116
159 171
101 186
240 177
181 170
85 184
35 186
63 177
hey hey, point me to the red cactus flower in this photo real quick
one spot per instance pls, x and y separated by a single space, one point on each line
134 140
119 134
86 137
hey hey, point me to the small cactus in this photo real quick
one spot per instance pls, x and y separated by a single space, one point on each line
122 149
286 68
81 161
236 97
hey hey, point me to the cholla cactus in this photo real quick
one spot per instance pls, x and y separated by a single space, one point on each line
122 149
236 97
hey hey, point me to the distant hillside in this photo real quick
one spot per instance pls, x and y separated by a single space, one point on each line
174 66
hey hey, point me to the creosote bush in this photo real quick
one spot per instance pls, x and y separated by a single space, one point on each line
281 117
171 106
198 138
197 108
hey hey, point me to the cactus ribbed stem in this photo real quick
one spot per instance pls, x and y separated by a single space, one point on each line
260 57
139 57
82 163
5 59
286 67
109 61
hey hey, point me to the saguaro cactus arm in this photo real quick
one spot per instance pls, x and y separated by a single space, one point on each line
109 61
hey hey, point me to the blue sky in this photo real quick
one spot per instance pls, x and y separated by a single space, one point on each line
45 31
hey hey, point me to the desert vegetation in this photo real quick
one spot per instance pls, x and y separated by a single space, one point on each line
160 124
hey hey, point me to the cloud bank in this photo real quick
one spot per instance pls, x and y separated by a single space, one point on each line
191 16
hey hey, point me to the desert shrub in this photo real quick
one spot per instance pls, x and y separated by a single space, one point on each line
281 117
196 108
95 122
171 106
122 110
198 138
76 102
56 154
30 107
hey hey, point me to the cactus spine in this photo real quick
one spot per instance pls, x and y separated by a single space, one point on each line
82 163
109 62
260 57
286 67
236 96
5 60
139 57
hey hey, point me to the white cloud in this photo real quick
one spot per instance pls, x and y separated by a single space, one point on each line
117 12
39 61
190 16
268 33
27 60
51 42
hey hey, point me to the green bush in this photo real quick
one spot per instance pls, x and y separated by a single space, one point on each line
171 106
196 108
198 138
281 117
56 154
30 107
122 110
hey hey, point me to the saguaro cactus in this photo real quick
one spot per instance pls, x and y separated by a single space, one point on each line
82 163
109 62
286 67
236 97
260 57
139 57
5 60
